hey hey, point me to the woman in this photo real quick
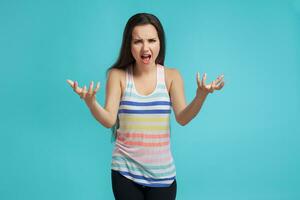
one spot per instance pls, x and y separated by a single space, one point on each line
139 96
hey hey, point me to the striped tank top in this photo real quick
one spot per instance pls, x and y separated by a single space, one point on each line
142 150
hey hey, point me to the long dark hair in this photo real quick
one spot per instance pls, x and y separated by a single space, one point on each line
125 58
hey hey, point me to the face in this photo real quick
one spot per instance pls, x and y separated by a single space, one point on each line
145 44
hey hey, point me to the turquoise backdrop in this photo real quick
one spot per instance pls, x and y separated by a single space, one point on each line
243 145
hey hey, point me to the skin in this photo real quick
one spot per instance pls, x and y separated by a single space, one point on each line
145 39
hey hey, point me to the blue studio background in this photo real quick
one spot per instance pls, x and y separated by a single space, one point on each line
243 145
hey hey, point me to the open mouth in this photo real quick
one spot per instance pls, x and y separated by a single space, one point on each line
146 58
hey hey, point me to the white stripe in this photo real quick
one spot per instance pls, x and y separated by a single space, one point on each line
153 171
148 182
133 107
148 99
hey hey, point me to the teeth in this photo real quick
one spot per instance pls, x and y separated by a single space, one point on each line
146 56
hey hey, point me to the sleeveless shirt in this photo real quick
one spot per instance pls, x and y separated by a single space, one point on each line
142 150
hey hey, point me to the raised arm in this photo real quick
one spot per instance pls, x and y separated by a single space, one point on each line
185 113
106 115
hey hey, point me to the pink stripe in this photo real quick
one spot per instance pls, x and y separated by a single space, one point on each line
141 152
143 135
144 144
149 160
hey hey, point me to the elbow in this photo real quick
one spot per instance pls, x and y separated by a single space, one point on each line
108 124
182 122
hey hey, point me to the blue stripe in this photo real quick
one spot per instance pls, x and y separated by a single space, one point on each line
144 111
154 103
155 184
145 178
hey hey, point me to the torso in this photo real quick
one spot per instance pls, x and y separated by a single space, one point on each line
142 150
146 89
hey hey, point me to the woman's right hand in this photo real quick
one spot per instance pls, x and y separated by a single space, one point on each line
88 96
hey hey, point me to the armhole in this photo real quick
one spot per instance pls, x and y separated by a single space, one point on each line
126 82
164 79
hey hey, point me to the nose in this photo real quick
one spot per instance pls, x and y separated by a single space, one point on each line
145 47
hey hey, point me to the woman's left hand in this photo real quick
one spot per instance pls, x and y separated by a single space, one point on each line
204 89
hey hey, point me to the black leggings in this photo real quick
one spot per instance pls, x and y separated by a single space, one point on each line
126 189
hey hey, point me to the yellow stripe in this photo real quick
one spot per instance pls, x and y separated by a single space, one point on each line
145 127
145 119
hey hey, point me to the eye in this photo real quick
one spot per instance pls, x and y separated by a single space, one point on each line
137 41
152 40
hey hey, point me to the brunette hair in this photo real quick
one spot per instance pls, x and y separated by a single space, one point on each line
125 58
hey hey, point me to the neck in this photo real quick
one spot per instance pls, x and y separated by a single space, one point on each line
140 70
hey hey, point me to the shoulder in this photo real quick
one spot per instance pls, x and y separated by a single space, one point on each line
171 75
117 75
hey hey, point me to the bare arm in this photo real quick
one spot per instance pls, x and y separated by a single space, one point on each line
106 116
185 113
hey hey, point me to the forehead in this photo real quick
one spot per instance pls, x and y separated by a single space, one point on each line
144 31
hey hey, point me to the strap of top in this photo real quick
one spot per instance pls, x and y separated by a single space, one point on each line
129 76
161 74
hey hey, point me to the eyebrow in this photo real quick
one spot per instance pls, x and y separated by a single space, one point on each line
142 39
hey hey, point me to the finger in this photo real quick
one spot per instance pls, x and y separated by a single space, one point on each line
76 86
220 86
206 87
81 93
219 79
90 92
212 86
77 89
97 88
71 83
84 91
203 80
198 79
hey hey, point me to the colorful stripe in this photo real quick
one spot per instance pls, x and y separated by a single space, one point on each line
154 103
144 111
131 118
142 148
